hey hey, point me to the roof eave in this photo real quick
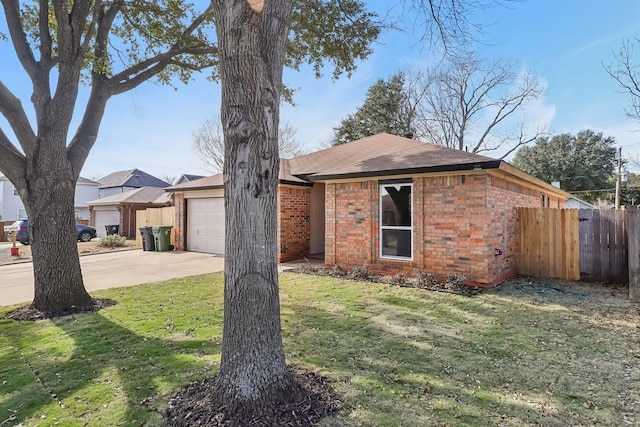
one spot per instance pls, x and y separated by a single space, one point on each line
296 183
203 187
512 170
490 164
221 187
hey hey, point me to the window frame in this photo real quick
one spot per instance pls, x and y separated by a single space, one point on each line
382 228
19 217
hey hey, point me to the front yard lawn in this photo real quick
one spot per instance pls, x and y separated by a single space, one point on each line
525 354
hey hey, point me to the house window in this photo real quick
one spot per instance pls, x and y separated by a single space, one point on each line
396 222
15 192
22 213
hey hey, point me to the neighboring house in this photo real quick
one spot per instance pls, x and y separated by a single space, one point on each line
188 178
123 181
575 203
12 208
120 209
392 203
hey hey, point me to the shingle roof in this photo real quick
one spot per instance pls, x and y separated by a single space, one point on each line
208 182
417 158
87 181
351 152
131 178
139 195
216 181
378 155
187 177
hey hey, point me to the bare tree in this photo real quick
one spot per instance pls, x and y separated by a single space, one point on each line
288 146
208 143
471 104
627 74
169 178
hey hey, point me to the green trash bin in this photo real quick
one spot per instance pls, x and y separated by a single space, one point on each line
162 237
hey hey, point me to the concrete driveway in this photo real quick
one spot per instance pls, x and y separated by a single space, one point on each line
112 270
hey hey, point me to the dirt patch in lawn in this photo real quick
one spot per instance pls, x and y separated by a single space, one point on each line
84 248
584 295
313 400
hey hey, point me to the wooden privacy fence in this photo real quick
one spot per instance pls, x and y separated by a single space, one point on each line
574 244
151 217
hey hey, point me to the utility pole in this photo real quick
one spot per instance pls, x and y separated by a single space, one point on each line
618 178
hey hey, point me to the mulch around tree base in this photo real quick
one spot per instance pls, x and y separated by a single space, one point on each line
30 313
193 406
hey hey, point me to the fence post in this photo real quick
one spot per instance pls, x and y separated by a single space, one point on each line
633 239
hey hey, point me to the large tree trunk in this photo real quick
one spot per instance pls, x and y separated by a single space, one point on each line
48 193
252 370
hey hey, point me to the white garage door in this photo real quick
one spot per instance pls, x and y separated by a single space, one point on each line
105 217
205 225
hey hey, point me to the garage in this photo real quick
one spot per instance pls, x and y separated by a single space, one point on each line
105 215
205 225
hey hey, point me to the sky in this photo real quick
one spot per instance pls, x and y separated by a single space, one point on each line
564 42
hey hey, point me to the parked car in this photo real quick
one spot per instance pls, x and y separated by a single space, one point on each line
84 232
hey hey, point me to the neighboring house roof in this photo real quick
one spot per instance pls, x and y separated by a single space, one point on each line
216 181
164 198
378 155
146 195
86 181
209 182
187 178
131 178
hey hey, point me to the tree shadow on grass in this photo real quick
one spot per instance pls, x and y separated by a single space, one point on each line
110 368
401 365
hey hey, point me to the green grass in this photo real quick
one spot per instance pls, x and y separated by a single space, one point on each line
399 356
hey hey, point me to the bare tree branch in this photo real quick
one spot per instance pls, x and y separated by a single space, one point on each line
627 75
471 98
208 143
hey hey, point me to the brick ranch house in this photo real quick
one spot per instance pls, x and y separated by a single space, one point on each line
392 203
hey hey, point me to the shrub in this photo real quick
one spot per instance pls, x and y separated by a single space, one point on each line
425 280
361 272
338 271
455 281
112 241
398 279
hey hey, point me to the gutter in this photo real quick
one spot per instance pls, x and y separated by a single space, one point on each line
490 164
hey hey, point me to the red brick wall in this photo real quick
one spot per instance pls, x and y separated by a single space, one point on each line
294 229
351 218
458 223
454 238
179 202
